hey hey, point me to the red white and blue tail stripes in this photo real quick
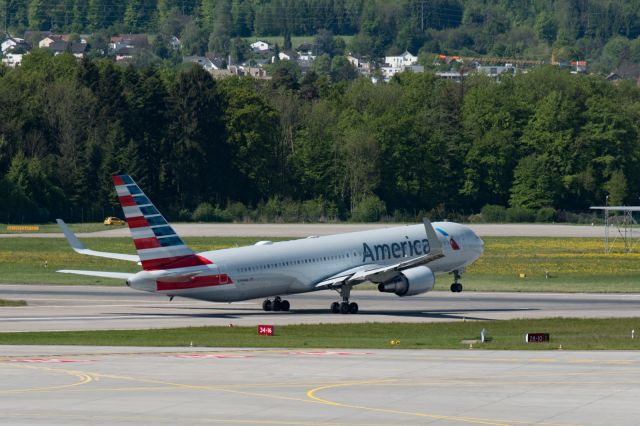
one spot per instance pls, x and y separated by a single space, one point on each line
158 245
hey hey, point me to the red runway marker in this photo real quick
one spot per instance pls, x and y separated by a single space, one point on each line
204 356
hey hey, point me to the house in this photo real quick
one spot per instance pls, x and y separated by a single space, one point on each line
404 60
241 71
175 43
12 60
415 68
286 56
220 74
48 41
495 70
14 44
128 41
305 47
260 46
363 67
579 66
204 62
453 75
125 54
396 64
77 49
613 77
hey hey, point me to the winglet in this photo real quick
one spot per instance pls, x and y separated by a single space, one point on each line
75 243
435 245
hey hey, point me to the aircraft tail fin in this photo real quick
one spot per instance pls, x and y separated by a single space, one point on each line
157 243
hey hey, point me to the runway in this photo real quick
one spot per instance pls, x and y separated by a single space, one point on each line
101 308
302 230
178 386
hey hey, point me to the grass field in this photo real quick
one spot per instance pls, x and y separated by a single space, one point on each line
4 302
35 260
574 334
553 264
571 264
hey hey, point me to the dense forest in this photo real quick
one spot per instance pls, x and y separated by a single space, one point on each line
301 148
603 32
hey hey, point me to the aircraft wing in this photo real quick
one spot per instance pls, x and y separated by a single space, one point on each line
376 273
78 247
102 274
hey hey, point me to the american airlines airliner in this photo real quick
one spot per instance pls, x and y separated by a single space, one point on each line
402 260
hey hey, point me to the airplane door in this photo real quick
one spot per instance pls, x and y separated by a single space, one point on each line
224 278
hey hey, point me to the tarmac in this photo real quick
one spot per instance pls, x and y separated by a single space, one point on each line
102 308
185 386
67 385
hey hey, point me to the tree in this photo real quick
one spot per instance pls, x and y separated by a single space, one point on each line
341 69
197 140
37 15
285 75
535 183
194 41
97 15
323 43
251 124
546 28
220 40
616 188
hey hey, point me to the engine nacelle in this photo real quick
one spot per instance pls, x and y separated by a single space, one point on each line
410 282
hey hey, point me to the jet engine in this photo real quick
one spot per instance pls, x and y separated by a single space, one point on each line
410 282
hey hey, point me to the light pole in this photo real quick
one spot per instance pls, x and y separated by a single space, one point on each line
606 224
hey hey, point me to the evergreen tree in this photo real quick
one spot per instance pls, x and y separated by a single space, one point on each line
197 143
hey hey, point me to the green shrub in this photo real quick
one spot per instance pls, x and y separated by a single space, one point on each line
237 211
312 210
545 214
520 214
290 211
205 212
370 209
494 213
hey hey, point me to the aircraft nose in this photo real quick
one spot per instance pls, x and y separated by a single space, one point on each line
478 243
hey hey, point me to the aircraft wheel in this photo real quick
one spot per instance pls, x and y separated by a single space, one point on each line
344 308
277 304
335 307
353 308
456 287
266 305
284 305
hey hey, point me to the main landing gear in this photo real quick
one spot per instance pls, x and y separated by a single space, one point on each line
344 307
456 287
276 305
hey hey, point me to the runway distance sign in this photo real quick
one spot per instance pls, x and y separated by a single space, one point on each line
536 337
266 330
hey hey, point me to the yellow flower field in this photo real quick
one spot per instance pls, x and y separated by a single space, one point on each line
548 264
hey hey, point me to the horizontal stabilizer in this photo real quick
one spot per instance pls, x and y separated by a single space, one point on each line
78 247
101 274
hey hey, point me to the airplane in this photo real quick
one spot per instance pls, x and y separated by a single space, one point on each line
401 260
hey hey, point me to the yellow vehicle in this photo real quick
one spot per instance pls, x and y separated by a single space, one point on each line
112 220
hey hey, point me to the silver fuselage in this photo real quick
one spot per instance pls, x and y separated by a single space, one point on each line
296 266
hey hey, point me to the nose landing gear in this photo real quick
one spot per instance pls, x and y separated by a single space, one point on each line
456 287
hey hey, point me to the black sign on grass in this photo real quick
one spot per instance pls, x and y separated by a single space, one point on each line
536 337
